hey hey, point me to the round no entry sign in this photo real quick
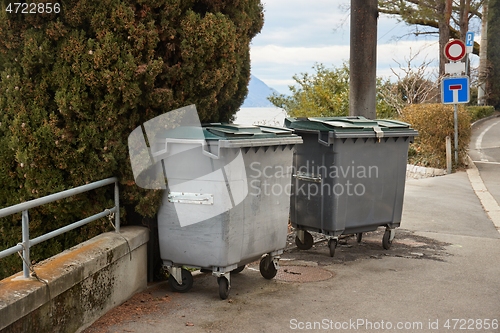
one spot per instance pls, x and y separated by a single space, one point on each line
454 50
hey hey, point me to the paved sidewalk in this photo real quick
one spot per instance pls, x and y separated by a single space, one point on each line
440 275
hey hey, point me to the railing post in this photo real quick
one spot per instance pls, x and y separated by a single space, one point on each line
26 243
117 205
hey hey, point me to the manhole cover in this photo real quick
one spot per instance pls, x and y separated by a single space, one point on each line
302 274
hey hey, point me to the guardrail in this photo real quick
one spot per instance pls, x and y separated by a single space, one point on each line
26 243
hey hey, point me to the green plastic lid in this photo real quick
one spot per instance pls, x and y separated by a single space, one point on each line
218 131
235 131
230 135
352 126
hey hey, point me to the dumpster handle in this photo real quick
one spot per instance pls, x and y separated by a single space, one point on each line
323 142
307 177
157 155
191 198
204 146
379 133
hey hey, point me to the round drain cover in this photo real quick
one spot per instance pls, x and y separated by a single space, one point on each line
302 274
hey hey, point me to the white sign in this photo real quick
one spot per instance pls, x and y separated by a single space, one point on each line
454 67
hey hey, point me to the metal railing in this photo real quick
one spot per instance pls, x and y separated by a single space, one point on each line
26 243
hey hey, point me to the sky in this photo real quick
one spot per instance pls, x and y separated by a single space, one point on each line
298 33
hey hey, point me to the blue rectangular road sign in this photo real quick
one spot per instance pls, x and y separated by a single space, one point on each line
455 90
469 38
469 42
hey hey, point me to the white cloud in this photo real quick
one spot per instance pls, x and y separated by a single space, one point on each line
337 54
276 65
297 34
399 54
301 23
298 55
279 83
304 11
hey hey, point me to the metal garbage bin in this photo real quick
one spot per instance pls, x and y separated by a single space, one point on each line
227 202
350 177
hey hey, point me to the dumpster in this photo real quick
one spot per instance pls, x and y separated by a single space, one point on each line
227 200
349 177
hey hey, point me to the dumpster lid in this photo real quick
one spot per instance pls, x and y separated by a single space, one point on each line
232 135
232 131
351 126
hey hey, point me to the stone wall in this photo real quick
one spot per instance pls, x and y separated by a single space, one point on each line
77 286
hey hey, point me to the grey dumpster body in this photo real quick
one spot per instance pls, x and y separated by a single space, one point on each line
349 177
227 202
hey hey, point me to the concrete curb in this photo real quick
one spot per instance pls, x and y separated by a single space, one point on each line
489 203
418 172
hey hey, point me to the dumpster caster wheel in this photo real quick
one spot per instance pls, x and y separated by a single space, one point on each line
187 282
268 272
308 241
332 244
359 237
223 287
237 270
386 240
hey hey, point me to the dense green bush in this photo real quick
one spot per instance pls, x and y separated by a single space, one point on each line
434 123
325 93
480 112
74 84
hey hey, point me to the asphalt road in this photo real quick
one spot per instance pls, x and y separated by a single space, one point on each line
484 150
440 275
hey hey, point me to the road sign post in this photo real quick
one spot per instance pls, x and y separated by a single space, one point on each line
454 89
455 122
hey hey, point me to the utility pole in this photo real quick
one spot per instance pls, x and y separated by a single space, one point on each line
363 58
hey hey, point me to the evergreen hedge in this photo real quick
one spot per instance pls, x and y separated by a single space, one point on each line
74 84
434 122
480 112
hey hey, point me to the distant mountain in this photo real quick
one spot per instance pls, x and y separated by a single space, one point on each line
258 92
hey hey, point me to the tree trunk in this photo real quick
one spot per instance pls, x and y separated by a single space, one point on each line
493 71
483 59
444 31
363 58
464 18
